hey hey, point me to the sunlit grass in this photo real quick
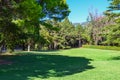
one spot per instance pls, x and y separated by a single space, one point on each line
71 64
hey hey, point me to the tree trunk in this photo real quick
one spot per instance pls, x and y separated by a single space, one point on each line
55 45
1 49
79 43
28 47
10 49
23 46
96 42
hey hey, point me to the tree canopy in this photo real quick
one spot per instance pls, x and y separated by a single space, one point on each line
24 16
43 24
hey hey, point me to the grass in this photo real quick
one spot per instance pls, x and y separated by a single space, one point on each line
71 64
102 47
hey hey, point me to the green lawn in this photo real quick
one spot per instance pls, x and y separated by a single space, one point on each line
71 64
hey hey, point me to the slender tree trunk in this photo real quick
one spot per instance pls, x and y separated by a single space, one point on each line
23 46
40 46
50 46
0 49
79 43
96 42
28 48
55 45
10 49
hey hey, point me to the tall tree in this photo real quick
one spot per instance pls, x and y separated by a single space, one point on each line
95 26
79 34
113 13
68 33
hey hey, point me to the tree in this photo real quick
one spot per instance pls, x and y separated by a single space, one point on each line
79 34
113 36
57 9
52 37
94 28
67 32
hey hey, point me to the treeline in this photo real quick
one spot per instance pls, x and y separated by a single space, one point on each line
43 25
20 20
62 35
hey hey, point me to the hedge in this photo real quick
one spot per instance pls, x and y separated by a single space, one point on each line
102 47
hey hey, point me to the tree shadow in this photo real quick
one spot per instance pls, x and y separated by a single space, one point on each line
27 66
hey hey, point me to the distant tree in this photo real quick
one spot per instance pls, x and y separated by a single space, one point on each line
79 34
68 33
95 26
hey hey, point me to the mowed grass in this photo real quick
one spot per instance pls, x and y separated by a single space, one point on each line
71 64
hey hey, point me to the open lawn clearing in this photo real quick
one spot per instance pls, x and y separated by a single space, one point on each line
71 64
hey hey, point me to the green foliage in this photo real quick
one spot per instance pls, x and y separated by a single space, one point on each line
30 10
61 34
67 33
55 9
113 34
26 15
94 28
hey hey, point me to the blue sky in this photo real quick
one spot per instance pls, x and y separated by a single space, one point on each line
80 8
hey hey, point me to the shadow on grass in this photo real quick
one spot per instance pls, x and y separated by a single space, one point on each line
26 66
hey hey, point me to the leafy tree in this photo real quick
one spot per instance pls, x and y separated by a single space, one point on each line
79 34
113 36
57 9
51 35
68 33
95 26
